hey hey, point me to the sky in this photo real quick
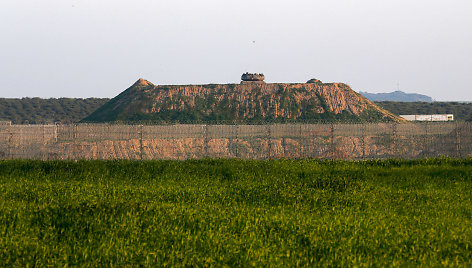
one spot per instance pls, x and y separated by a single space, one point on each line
98 48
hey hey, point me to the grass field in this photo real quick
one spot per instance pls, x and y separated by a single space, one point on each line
236 213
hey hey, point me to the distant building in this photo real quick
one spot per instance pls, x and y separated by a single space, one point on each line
428 117
5 123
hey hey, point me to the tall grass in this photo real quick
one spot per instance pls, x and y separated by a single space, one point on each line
236 213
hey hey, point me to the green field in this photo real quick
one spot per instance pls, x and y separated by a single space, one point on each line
236 213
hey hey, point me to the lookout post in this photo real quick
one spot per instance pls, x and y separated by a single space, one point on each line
252 78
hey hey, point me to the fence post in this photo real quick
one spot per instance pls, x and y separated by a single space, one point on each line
10 142
363 134
60 149
55 132
172 138
332 149
300 141
141 146
74 141
284 147
431 147
42 154
458 141
269 141
237 141
394 138
205 141
426 144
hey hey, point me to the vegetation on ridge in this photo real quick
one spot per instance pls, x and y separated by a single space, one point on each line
47 111
73 110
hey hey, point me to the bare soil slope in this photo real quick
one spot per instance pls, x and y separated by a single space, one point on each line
246 103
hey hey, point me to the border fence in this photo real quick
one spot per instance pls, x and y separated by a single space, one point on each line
324 141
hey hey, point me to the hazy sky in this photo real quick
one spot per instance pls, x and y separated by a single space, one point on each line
98 48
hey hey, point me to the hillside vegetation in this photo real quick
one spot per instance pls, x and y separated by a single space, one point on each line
243 103
43 111
73 110
461 111
236 213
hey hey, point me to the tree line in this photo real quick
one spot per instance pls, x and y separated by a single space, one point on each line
73 110
47 111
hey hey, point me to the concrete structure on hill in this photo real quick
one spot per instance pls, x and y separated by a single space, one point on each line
249 78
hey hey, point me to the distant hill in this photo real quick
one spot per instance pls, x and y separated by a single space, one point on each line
43 111
462 111
242 103
397 96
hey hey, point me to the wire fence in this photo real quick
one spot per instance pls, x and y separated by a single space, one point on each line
324 141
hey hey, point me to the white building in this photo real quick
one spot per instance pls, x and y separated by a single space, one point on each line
428 117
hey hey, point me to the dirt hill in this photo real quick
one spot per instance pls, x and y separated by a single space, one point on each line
250 103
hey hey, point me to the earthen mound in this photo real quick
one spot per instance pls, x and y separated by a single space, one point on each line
250 102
